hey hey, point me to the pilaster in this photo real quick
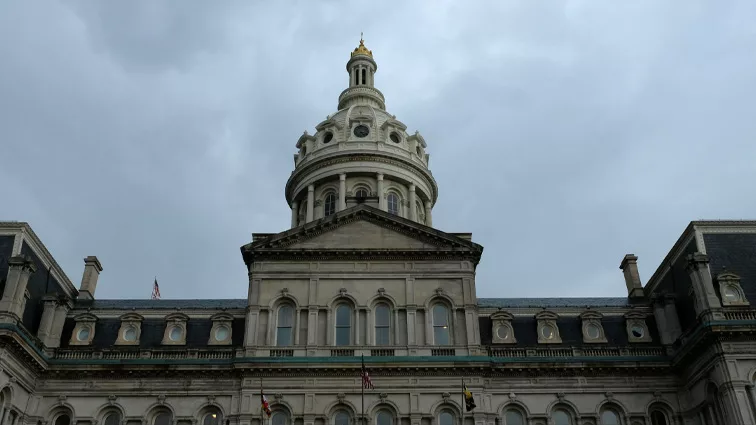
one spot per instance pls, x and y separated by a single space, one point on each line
428 214
44 333
20 268
294 213
703 288
381 195
412 202
310 203
342 192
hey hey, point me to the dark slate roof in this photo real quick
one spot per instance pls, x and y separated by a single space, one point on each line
735 253
554 302
163 304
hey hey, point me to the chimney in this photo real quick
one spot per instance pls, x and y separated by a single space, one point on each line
92 269
629 267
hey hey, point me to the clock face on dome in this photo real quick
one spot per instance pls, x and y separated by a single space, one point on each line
361 131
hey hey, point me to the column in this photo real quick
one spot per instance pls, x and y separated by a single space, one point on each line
428 216
296 326
412 201
342 192
294 213
698 269
381 197
310 202
19 270
46 322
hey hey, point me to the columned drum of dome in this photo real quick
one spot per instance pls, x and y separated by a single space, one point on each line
361 154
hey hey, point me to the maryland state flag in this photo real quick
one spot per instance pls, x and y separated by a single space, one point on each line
265 405
469 400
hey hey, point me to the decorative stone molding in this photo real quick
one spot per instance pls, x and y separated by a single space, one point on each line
161 399
560 397
730 290
342 292
512 396
340 397
84 330
548 331
221 332
175 329
130 330
381 292
446 397
501 328
635 324
593 330
278 396
112 399
383 397
284 292
439 291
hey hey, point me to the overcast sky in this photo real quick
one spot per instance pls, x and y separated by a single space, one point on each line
158 135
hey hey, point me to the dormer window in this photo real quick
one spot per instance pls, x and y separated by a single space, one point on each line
84 331
593 331
395 137
548 331
730 290
131 329
220 334
503 333
175 329
635 323
327 137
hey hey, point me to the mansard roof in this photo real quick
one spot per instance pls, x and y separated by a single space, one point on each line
374 234
554 302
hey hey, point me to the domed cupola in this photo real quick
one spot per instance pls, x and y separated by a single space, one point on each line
361 154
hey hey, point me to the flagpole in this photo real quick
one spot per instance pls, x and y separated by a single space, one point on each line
362 385
462 406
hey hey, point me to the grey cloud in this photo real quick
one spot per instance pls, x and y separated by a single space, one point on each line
158 136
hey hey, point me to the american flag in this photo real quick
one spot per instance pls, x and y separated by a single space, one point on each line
366 381
155 291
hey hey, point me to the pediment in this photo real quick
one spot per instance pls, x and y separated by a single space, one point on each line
363 229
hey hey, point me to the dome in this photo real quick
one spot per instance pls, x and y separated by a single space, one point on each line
361 154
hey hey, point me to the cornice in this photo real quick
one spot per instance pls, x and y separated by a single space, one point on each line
299 173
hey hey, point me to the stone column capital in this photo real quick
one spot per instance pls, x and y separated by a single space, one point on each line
342 176
24 262
379 176
697 260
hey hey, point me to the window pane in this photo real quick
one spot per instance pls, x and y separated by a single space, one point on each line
382 336
342 336
513 417
329 206
441 336
445 418
343 315
286 316
63 420
279 418
342 418
163 419
384 418
113 419
609 417
393 204
561 418
283 337
658 418
382 315
213 418
440 316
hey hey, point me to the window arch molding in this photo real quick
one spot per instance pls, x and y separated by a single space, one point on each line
156 409
448 404
6 395
515 405
281 407
357 183
613 404
108 408
383 405
335 407
60 409
334 195
566 406
206 408
661 405
373 303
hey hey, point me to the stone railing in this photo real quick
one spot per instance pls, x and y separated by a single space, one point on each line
740 314
201 354
576 352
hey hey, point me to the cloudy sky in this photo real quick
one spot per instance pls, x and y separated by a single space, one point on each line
158 135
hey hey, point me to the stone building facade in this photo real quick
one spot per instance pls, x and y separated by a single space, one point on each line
362 275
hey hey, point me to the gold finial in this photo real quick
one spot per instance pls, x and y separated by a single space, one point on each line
361 49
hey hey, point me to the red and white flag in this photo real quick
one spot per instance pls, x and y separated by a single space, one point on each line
367 383
264 403
155 291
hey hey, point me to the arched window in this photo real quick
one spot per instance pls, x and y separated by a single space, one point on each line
446 418
382 325
343 325
561 417
658 418
441 334
329 205
279 418
513 417
285 324
162 418
393 203
341 418
420 212
361 192
384 418
113 418
63 419
212 418
610 417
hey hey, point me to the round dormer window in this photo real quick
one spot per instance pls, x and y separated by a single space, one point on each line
731 294
637 331
327 137
175 333
395 138
361 131
83 333
548 332
221 333
130 334
503 332
593 331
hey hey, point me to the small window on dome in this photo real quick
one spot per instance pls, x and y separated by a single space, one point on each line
361 193
419 152
328 137
304 150
395 138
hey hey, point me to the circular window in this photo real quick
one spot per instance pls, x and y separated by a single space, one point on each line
130 334
731 294
175 334
503 332
221 333
361 131
547 331
328 137
395 138
593 331
83 333
637 331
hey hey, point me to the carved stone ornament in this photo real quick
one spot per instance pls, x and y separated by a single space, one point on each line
560 396
278 396
341 397
12 380
657 395
512 396
383 396
211 399
609 395
342 292
161 399
284 292
439 291
112 399
445 396
62 398
381 292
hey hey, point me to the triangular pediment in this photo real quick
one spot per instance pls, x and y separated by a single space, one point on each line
362 229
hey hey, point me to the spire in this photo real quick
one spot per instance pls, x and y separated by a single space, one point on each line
361 49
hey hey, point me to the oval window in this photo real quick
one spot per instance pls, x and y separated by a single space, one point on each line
130 334
637 331
547 331
83 334
221 333
328 137
175 334
395 138
593 331
502 332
